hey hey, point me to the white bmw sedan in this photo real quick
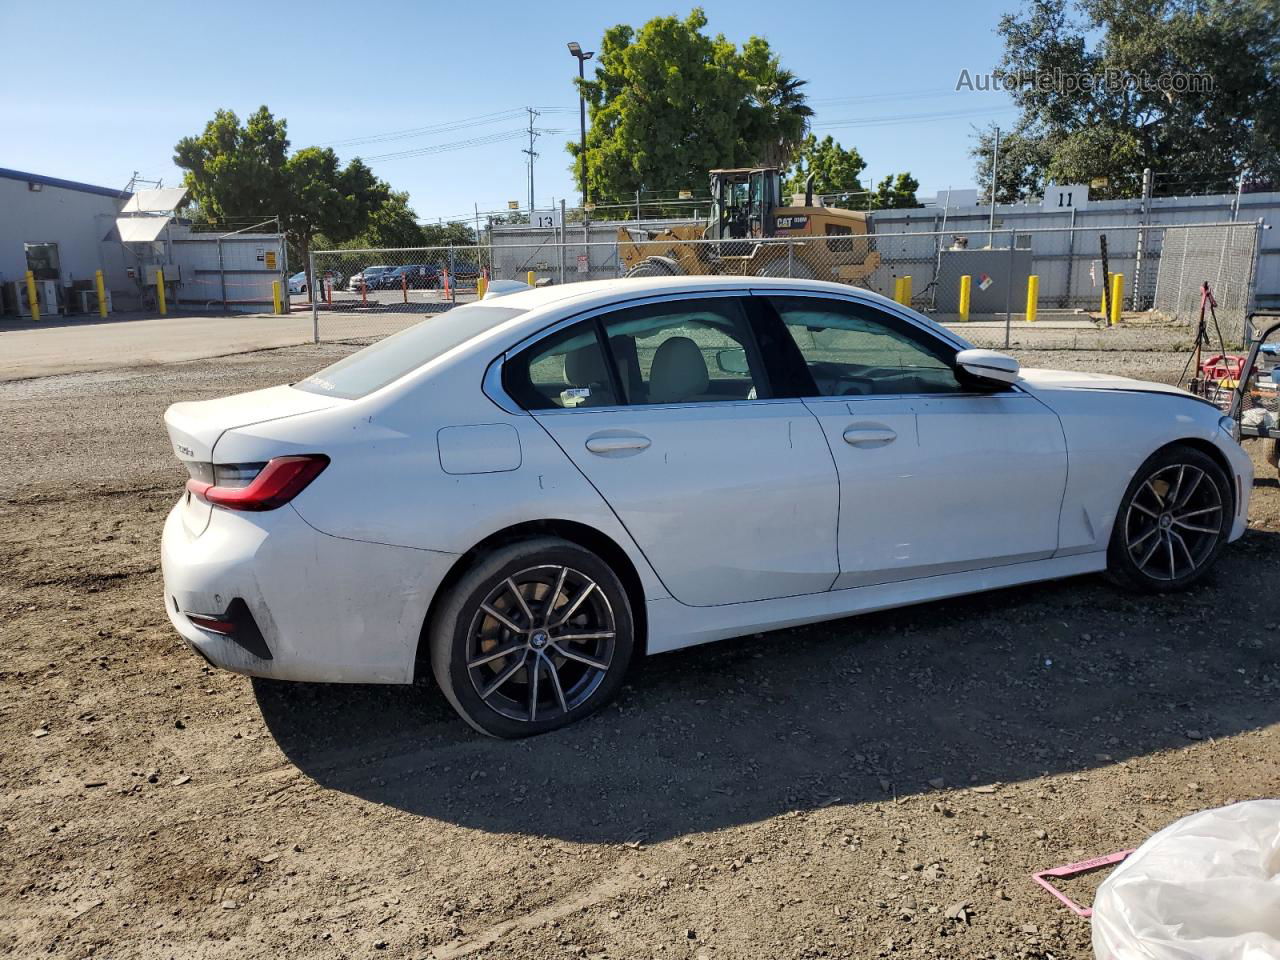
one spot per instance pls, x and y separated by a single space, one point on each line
522 495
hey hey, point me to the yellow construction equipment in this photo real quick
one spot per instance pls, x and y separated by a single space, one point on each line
748 223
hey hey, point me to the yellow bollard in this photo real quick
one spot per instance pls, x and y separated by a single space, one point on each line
102 293
1106 277
1117 296
906 291
160 291
533 279
966 291
482 284
32 300
1033 294
275 295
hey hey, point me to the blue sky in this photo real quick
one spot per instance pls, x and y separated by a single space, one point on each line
115 93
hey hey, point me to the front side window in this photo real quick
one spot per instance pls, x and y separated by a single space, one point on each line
853 349
689 351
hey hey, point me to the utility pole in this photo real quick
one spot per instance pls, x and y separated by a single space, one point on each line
1140 254
575 50
991 220
533 135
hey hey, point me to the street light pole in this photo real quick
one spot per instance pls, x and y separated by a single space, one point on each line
582 57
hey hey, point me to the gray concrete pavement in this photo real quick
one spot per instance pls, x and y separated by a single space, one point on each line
67 345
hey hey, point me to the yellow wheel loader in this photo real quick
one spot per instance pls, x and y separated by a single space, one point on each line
747 234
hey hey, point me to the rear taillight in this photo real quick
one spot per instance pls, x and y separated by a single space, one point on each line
259 486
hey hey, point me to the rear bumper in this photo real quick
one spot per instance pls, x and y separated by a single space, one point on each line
328 609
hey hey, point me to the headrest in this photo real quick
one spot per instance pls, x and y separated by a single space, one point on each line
585 366
679 372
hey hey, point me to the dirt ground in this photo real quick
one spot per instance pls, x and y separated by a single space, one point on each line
879 786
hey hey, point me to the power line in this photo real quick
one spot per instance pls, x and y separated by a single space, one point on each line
891 119
434 148
932 94
447 126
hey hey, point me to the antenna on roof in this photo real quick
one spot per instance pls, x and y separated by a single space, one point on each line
135 181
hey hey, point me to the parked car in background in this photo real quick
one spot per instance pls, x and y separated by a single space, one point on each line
414 276
465 271
367 276
298 282
519 495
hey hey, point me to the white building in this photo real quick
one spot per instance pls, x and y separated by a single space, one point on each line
62 231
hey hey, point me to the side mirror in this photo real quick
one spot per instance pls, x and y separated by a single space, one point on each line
732 361
988 365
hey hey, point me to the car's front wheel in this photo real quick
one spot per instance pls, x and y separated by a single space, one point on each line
534 636
1174 520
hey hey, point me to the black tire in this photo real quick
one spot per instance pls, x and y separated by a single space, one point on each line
476 621
655 267
1173 521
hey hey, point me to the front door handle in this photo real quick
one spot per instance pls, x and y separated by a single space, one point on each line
617 444
869 436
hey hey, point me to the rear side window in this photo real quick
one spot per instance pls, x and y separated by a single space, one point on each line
566 370
692 351
379 364
681 351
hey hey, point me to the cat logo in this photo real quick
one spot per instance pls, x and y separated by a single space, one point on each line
790 223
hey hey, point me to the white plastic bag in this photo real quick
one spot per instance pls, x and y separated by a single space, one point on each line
1204 888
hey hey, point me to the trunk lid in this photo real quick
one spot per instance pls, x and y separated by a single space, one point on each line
194 427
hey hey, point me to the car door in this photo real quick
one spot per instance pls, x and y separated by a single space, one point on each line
730 492
936 475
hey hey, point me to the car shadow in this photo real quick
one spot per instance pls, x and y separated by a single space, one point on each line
996 687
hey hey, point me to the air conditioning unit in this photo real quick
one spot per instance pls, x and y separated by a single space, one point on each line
88 301
14 293
47 295
17 303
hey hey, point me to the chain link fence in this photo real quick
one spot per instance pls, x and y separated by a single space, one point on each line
1223 256
956 276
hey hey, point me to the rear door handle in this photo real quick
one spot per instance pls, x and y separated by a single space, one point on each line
617 445
869 436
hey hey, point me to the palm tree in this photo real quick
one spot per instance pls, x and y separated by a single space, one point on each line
784 115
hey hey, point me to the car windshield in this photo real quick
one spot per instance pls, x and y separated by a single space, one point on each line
390 359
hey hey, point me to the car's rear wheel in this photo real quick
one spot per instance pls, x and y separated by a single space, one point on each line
535 636
1174 520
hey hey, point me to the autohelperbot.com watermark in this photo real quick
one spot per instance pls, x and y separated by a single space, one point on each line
1063 81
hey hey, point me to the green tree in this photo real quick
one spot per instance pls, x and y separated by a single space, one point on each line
895 192
780 114
836 171
234 170
1189 88
246 172
454 232
1022 162
393 224
669 103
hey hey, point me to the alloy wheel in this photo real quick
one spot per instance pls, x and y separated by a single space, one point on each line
1174 521
541 643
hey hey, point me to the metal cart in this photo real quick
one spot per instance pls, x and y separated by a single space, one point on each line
1253 399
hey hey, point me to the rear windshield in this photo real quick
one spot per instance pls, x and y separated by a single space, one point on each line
390 359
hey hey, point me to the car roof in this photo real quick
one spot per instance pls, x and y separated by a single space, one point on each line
589 293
